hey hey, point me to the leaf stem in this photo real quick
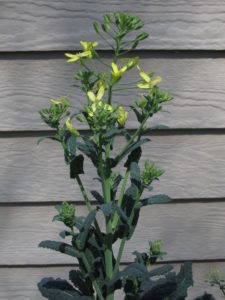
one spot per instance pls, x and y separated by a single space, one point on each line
116 216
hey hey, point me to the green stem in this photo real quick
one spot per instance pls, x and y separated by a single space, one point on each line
133 137
88 203
116 216
108 251
120 252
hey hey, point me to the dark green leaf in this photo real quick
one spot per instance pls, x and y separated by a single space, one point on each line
59 289
64 233
86 228
81 283
98 197
206 296
76 166
134 156
157 199
129 149
140 117
60 247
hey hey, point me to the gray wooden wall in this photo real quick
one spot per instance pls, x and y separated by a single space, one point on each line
186 47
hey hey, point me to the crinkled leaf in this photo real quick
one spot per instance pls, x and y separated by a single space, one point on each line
76 166
140 116
129 149
60 247
134 156
82 284
157 199
161 271
183 280
86 228
59 289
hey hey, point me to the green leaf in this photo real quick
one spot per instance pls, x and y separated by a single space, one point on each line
129 149
76 166
98 197
184 280
157 199
134 156
60 247
59 289
64 233
161 271
114 131
206 296
89 148
81 283
140 116
86 229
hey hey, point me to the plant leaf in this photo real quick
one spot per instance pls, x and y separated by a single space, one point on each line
60 247
84 231
59 289
157 199
76 166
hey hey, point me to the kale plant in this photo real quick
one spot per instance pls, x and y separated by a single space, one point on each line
97 275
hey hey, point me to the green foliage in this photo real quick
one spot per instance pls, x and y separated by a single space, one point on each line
118 203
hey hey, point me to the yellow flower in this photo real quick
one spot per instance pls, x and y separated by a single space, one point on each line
87 46
147 83
96 98
131 62
61 101
70 127
75 57
122 117
116 73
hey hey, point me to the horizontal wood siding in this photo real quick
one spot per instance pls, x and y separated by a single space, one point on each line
195 80
57 25
194 168
190 231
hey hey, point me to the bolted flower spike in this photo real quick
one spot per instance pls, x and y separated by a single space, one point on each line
66 214
71 128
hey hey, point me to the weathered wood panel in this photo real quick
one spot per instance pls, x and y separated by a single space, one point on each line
195 80
56 25
194 168
191 231
21 283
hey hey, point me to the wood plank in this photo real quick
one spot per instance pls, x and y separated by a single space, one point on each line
58 25
190 231
195 80
194 168
21 283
